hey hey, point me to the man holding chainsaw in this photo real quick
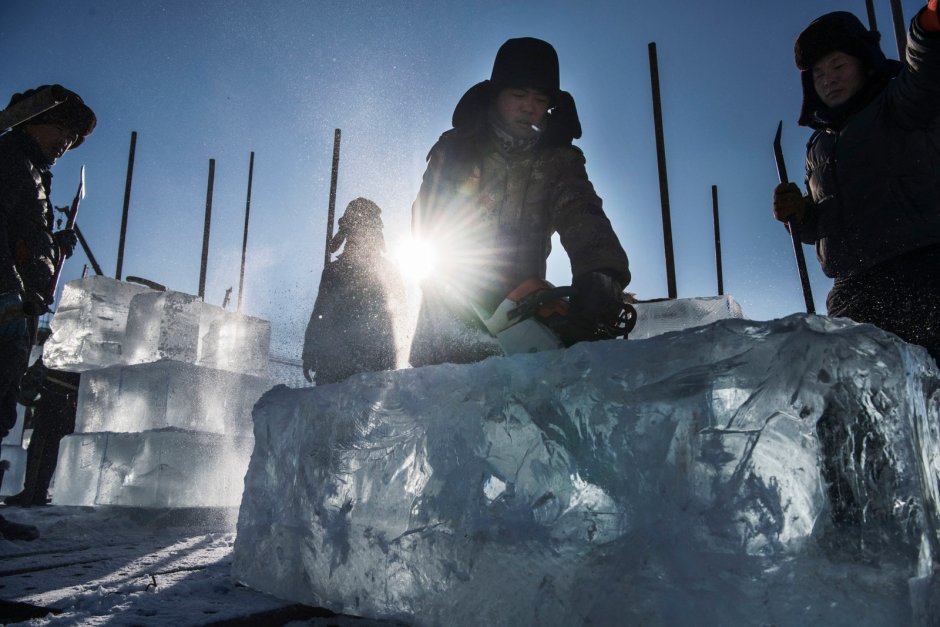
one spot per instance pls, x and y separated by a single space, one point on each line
29 249
498 185
873 207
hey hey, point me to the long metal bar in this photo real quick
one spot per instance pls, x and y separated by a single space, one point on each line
721 283
794 227
872 21
87 249
241 275
205 232
332 208
900 28
127 204
663 182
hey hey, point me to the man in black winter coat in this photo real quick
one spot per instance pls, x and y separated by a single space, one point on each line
872 175
29 249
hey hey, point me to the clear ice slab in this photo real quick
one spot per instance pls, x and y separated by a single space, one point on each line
662 316
166 394
88 328
160 468
742 472
162 325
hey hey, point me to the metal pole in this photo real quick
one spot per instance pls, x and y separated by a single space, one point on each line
241 276
872 22
794 227
721 284
663 183
127 204
332 208
205 232
900 31
85 247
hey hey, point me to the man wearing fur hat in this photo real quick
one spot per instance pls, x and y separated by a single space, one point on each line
352 327
872 175
29 249
498 185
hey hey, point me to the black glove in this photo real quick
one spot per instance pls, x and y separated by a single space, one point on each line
789 203
66 240
307 375
35 304
599 297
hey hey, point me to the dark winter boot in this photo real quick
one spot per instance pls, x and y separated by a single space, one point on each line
23 499
16 531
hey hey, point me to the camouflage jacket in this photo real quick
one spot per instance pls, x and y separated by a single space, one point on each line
490 207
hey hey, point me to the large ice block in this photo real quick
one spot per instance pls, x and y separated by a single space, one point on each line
167 394
162 325
89 325
163 468
658 317
233 341
740 473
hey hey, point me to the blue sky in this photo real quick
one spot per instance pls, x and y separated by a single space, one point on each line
220 79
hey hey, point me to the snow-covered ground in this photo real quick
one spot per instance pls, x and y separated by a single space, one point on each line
127 566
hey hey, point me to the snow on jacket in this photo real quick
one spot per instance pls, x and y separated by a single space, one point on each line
490 206
27 250
352 327
873 179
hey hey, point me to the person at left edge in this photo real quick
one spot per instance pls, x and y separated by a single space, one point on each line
29 249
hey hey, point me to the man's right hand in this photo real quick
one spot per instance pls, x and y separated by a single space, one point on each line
307 374
34 303
789 203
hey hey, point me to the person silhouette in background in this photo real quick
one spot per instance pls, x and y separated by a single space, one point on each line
352 327
53 397
872 174
29 249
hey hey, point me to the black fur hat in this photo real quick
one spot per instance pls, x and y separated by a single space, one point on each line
840 31
72 112
526 62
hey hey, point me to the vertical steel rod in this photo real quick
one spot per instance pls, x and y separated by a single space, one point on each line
127 204
900 28
721 284
663 183
794 228
205 232
241 276
872 21
332 208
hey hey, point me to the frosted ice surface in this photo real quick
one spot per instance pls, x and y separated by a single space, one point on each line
167 394
162 325
163 468
743 472
89 325
233 341
663 316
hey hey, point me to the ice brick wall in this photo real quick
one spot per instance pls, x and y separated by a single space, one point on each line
740 473
165 398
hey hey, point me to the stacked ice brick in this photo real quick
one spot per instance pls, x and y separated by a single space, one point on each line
164 406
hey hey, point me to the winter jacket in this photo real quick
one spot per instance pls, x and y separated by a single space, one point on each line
352 327
28 252
872 174
490 206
